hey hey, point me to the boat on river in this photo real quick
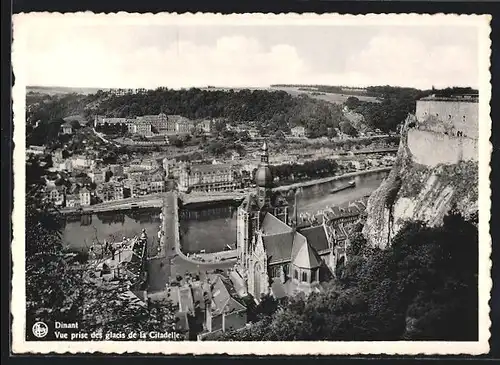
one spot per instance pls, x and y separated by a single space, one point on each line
349 185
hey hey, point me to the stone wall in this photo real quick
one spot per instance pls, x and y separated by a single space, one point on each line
462 115
432 148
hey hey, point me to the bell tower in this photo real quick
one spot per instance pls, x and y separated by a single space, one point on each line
264 178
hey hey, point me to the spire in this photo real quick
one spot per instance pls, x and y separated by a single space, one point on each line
264 157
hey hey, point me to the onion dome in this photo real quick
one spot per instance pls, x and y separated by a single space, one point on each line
263 177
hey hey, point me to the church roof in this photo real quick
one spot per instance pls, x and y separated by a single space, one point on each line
306 257
278 247
316 237
272 225
298 241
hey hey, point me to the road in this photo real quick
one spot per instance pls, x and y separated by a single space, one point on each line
147 201
169 263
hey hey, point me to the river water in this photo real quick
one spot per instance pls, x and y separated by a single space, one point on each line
206 229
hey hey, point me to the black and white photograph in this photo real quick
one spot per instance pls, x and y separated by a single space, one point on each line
292 184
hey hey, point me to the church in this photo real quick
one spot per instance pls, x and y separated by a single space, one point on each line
274 255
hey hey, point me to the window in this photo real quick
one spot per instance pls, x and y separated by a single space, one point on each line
314 275
304 276
296 274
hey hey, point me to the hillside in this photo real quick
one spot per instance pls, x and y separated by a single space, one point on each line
433 174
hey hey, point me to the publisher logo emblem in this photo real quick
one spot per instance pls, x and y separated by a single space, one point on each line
40 329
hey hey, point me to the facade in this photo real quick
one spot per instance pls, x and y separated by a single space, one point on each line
206 178
184 126
98 176
156 182
72 201
36 150
56 195
298 132
206 126
158 122
140 127
84 197
82 162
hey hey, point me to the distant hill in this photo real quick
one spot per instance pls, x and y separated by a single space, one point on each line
57 90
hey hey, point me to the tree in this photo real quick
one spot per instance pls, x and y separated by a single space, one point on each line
352 102
347 128
423 287
75 124
58 288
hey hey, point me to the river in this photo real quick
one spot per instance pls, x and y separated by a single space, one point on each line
203 229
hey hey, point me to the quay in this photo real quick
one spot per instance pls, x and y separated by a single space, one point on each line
214 198
329 179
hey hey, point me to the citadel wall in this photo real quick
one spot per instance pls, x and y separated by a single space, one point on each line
446 131
432 148
462 115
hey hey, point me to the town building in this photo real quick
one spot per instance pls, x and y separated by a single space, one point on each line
84 197
205 126
156 182
65 166
206 178
139 127
116 170
82 162
97 176
66 128
36 150
72 201
110 191
56 195
298 132
184 126
224 310
158 122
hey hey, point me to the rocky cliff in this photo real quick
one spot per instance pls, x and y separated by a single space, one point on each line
423 189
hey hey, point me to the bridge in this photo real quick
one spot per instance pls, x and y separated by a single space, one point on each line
170 260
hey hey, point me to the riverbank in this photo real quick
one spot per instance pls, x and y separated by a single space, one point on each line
330 179
193 199
215 198
148 201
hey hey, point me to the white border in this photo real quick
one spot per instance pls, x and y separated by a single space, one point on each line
24 23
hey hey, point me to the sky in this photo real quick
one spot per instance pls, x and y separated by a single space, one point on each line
114 54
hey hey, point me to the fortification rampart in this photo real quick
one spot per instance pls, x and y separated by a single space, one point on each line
433 148
460 116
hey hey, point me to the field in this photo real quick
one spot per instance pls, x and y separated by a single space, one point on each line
333 98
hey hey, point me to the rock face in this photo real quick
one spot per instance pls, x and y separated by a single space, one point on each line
426 182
